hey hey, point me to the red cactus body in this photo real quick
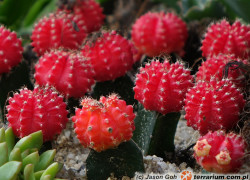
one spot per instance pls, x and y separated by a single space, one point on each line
214 67
68 72
104 124
213 106
40 109
158 33
90 12
111 56
10 50
219 152
227 39
162 86
58 30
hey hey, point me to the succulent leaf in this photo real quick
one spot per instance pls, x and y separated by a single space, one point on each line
47 177
2 135
37 139
32 158
29 172
18 161
10 170
9 139
4 153
24 143
46 159
25 153
15 155
51 171
38 174
34 140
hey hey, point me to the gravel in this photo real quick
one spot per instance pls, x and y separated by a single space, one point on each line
71 153
185 136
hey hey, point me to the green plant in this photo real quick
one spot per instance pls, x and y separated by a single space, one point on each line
22 161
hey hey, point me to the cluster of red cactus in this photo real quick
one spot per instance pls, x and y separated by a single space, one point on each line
215 101
214 104
71 63
71 69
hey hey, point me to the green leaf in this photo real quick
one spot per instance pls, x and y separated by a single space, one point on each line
46 159
162 141
37 140
15 155
14 11
34 12
10 139
198 9
47 177
239 8
33 150
122 86
2 135
51 171
32 158
10 170
3 153
47 8
51 7
187 5
144 127
125 160
102 1
25 153
38 174
174 4
24 143
34 140
29 172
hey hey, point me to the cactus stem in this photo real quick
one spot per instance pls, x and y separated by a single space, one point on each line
162 145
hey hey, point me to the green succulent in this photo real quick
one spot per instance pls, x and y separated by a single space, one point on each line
21 160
